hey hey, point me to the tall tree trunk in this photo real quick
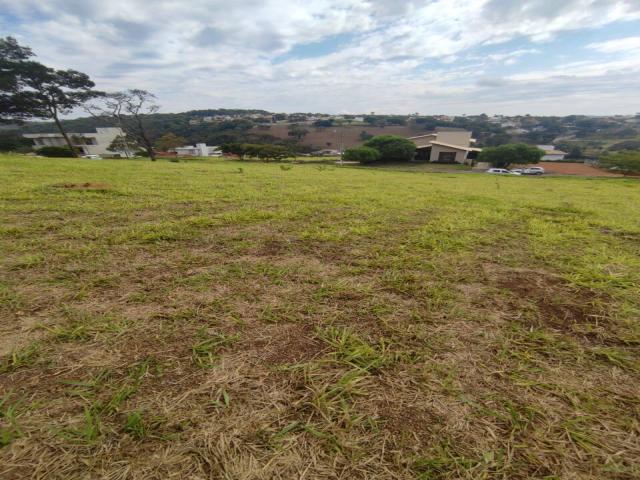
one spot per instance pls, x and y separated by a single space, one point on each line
54 114
151 153
127 150
147 143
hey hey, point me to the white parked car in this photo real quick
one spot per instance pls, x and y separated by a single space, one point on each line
534 171
92 157
502 171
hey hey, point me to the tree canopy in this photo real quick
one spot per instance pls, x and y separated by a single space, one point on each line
361 154
626 161
511 153
273 152
29 89
297 131
13 66
129 110
392 148
169 141
264 152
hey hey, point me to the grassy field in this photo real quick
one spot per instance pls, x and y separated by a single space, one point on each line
261 321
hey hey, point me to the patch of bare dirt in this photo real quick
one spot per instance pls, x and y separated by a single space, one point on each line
272 247
571 168
19 334
407 420
281 344
559 306
83 186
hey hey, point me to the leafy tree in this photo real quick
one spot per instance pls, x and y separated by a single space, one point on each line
129 110
361 154
626 161
169 141
234 149
498 139
323 123
505 155
392 148
123 143
395 120
575 152
13 67
13 142
274 152
364 135
29 89
251 149
297 131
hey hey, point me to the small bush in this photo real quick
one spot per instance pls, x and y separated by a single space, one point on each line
61 152
392 148
361 154
510 153
627 162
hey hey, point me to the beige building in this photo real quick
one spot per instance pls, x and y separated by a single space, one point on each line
86 143
445 146
551 154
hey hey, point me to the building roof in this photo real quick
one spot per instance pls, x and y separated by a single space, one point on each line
455 147
555 152
425 135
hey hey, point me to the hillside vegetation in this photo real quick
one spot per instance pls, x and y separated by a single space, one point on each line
221 319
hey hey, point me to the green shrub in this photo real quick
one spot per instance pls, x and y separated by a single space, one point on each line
274 152
55 152
626 161
392 148
510 153
361 154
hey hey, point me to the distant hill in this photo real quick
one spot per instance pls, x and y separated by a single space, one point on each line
334 137
217 126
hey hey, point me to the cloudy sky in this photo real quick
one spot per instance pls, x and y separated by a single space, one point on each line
348 56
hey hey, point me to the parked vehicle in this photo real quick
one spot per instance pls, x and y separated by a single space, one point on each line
92 157
502 171
519 171
534 171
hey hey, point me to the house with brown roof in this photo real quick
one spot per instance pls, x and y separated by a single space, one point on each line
445 146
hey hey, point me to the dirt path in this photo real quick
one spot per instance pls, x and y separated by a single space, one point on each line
564 168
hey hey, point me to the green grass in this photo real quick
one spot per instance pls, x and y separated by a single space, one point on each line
226 319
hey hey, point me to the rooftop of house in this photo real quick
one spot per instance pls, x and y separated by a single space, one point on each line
99 131
453 138
455 147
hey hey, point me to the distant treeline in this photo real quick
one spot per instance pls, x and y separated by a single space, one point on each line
239 128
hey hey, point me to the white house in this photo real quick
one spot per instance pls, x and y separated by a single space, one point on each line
445 146
87 143
551 154
198 150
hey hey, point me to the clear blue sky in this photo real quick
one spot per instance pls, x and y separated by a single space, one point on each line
348 56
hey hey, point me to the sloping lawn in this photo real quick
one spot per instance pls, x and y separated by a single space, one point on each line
257 321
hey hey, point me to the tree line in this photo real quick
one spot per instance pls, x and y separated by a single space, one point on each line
31 90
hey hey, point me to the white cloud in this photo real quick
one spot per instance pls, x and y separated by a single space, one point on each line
399 56
619 45
509 58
